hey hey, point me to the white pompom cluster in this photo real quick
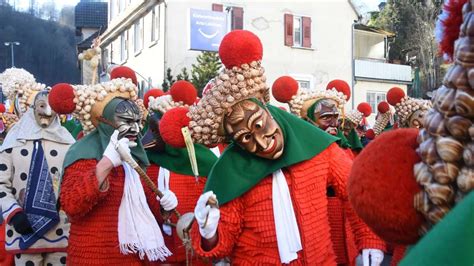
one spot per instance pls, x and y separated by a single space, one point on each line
355 116
163 104
86 96
381 122
407 106
302 98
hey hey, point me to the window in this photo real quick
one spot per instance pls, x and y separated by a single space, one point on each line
297 34
155 24
304 84
123 47
374 98
297 30
138 36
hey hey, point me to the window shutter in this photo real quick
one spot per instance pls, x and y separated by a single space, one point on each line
217 7
237 18
288 30
306 32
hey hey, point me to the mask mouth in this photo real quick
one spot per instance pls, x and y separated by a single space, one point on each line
271 146
331 130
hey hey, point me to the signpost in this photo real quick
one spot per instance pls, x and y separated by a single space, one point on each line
207 28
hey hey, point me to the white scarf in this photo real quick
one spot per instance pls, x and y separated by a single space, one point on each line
287 232
137 228
163 185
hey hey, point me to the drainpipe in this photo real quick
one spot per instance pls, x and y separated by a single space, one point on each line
353 63
165 39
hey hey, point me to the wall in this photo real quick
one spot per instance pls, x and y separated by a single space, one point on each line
369 45
87 32
329 58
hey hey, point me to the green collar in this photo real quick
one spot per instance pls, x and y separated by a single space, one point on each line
237 170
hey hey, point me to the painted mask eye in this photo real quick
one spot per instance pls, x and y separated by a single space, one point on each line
247 137
259 124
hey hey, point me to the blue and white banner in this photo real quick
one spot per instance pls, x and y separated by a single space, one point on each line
207 28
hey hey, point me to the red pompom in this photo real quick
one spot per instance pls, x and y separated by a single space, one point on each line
124 72
370 134
171 124
395 95
240 47
450 21
284 88
382 186
383 107
365 109
2 108
341 86
61 98
80 135
183 91
151 93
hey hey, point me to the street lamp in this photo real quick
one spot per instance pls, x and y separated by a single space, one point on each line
13 53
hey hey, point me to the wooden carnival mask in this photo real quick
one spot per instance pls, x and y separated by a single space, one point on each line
44 115
416 119
326 116
127 120
253 128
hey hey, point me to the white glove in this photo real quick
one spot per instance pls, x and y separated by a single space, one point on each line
169 201
376 256
111 151
207 228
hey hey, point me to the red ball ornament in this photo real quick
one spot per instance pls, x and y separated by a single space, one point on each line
240 47
365 109
2 108
383 107
151 93
171 124
284 88
341 86
183 91
61 98
382 186
124 72
370 134
395 96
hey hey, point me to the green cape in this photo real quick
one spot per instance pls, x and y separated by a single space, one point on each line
92 146
450 242
237 170
354 140
177 160
343 142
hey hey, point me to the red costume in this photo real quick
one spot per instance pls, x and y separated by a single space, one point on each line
247 223
94 215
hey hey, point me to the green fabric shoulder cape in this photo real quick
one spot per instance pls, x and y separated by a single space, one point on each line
177 160
92 146
450 242
237 170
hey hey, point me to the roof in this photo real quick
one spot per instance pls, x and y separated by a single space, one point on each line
86 43
91 14
374 30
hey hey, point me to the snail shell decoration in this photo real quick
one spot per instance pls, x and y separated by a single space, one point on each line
446 143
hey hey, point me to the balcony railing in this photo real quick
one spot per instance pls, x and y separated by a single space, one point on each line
371 70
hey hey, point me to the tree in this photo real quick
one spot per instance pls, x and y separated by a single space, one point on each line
184 75
207 67
168 81
413 22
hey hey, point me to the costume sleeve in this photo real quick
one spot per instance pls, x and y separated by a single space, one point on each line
340 167
228 231
80 188
9 204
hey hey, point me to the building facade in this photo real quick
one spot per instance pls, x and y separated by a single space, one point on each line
312 41
373 74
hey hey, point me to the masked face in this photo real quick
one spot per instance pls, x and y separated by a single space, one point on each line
347 127
326 116
127 120
252 127
416 119
152 139
44 115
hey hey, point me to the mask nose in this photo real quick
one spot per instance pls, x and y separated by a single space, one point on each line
261 141
47 110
